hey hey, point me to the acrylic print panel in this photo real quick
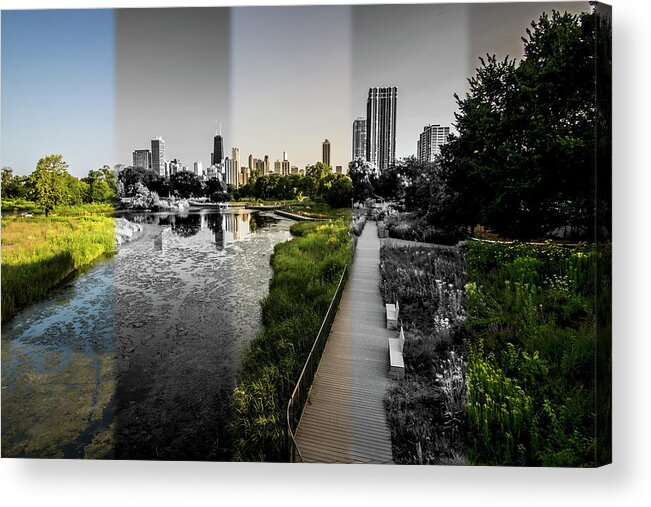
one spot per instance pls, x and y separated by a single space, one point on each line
340 234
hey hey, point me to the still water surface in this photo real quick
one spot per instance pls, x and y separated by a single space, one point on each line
137 357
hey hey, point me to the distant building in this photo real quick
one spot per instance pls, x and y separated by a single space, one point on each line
230 172
217 155
359 138
244 175
158 156
286 167
252 162
325 151
430 142
381 126
294 169
235 155
142 158
277 166
198 169
174 167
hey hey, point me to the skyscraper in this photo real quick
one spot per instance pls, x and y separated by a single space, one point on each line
359 138
142 158
430 142
217 156
325 149
381 126
158 156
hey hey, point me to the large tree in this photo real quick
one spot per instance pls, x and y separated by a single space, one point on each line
49 180
523 161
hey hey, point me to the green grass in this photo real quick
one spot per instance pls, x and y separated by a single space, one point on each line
18 206
531 354
306 274
38 253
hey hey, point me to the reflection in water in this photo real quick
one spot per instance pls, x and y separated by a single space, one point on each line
187 306
137 357
58 372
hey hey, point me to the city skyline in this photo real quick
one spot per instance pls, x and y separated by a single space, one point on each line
293 89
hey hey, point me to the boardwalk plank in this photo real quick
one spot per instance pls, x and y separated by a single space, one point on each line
345 420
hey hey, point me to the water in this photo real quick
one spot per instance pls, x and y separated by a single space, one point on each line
137 358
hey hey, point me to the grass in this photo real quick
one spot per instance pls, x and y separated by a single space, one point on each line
531 354
306 274
18 206
320 211
426 409
38 253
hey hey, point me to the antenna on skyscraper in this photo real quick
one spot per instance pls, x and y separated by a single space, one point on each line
220 126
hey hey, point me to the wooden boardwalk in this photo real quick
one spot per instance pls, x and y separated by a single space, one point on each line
344 420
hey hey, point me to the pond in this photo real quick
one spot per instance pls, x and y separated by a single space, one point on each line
137 358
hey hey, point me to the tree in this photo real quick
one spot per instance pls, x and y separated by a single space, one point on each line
102 185
340 193
364 176
12 186
186 184
522 163
48 180
214 187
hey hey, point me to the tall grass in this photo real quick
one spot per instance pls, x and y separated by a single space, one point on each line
426 409
531 369
38 253
306 274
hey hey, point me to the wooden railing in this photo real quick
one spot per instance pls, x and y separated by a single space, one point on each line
301 392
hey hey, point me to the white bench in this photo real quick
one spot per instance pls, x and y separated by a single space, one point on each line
396 360
392 315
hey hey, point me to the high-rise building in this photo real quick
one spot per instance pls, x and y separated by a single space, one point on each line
235 155
285 155
217 156
359 138
277 166
265 167
252 162
142 158
198 169
158 156
381 126
325 150
286 167
430 142
230 172
174 167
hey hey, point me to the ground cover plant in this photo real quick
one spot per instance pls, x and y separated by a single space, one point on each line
531 354
39 252
307 270
426 409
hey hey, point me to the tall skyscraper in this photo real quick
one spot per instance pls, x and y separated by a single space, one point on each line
430 142
266 168
158 156
217 156
198 169
325 150
381 126
142 158
359 138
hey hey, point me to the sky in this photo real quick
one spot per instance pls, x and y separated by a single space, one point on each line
94 85
57 88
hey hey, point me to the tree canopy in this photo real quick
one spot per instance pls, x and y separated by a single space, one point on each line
523 161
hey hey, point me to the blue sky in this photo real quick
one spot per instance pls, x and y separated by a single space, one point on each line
57 88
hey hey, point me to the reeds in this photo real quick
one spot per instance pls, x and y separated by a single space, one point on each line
38 253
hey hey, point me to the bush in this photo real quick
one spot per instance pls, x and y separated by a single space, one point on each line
531 370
